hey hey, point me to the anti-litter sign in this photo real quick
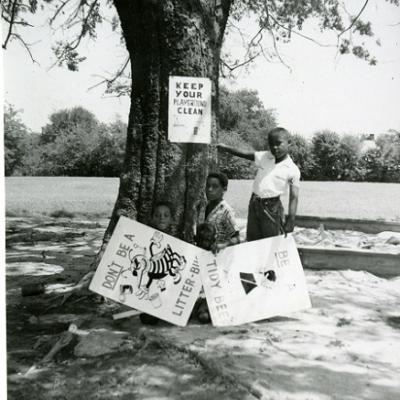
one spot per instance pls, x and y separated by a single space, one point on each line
189 110
160 275
150 271
253 281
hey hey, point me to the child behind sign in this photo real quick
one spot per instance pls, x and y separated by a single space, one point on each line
163 221
205 238
219 213
219 231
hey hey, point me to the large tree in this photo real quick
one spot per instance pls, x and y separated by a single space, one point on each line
179 37
166 38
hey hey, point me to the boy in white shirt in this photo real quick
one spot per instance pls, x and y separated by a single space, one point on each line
276 173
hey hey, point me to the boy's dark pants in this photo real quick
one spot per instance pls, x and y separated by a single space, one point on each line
265 218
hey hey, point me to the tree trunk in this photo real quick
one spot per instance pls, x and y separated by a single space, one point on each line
163 38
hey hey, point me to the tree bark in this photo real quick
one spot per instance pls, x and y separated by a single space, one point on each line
163 38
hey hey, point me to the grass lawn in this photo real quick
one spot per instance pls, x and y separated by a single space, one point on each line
359 200
95 197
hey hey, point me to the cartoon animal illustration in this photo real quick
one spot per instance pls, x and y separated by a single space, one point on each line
160 265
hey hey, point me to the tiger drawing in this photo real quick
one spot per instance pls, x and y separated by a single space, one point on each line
160 265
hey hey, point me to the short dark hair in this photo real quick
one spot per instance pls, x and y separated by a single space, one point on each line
205 228
279 129
205 235
223 179
162 203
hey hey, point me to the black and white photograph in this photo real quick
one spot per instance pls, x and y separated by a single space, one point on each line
201 200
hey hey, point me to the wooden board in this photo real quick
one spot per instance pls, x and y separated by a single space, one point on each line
361 225
385 265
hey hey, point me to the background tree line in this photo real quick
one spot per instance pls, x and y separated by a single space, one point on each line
75 143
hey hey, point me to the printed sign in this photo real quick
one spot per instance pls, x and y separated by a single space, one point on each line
150 271
189 110
254 281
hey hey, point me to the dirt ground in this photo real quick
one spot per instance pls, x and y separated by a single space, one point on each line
346 347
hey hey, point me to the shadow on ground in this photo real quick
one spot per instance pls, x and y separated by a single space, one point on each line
346 347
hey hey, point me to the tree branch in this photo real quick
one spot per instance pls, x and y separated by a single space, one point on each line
74 14
11 23
298 33
268 57
22 22
259 33
278 53
110 81
354 19
59 9
72 45
238 65
84 22
26 45
232 25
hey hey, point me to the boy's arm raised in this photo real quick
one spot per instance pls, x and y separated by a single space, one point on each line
248 155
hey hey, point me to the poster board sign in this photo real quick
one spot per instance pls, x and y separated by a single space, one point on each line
253 281
150 271
189 109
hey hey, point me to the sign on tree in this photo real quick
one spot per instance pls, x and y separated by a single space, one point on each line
189 110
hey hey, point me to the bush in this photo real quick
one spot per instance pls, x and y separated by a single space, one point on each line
244 123
243 112
62 214
382 164
325 149
74 143
335 157
235 167
348 159
16 136
300 151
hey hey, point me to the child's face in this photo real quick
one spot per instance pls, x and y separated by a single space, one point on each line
214 189
162 218
278 145
205 240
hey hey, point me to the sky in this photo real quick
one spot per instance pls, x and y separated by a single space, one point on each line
319 90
